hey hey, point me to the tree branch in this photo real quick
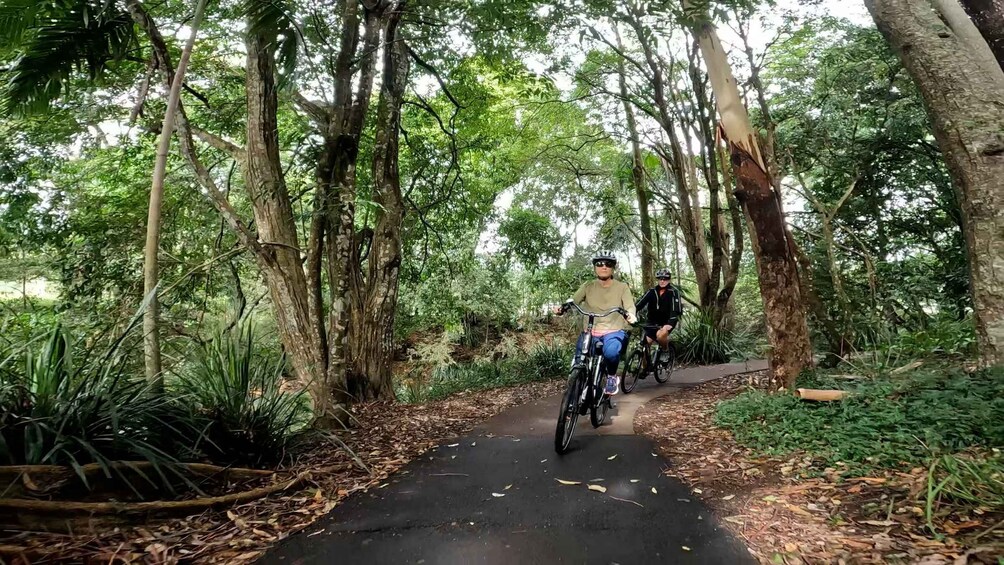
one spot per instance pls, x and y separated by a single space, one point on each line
228 147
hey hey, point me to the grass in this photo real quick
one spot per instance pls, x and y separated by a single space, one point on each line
62 404
545 361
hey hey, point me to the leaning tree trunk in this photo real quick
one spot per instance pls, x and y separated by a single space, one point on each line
151 270
776 265
964 28
966 107
988 15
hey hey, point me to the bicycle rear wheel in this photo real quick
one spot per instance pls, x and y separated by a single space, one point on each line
569 412
666 365
632 370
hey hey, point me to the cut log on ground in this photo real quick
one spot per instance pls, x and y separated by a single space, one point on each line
821 395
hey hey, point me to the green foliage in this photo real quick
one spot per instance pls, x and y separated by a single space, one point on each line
531 238
60 407
943 337
976 480
545 361
701 342
893 421
251 420
87 35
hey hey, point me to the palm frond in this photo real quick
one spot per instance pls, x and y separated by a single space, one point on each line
276 17
50 42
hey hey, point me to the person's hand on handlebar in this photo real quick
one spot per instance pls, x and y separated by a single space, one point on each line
559 310
631 319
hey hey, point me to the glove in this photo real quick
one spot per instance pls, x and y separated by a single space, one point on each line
563 308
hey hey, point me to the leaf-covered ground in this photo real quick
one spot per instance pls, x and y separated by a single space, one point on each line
790 511
386 437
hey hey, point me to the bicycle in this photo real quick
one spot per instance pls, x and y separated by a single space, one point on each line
642 361
585 384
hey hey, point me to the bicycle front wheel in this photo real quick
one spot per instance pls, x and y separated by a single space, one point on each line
598 413
632 370
569 412
666 365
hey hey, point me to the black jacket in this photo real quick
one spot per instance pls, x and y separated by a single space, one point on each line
662 309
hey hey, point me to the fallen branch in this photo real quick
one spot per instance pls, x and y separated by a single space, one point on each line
906 368
24 479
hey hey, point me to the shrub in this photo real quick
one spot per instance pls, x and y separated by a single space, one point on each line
545 361
701 342
249 419
56 409
886 422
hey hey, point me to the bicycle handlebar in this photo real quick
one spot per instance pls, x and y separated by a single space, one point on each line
617 310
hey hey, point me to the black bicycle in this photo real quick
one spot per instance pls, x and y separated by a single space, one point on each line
643 361
585 384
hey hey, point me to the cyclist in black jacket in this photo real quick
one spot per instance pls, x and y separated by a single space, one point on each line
664 309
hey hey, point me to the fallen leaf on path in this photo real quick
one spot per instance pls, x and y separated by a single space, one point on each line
507 487
626 500
685 548
497 494
598 488
453 445
612 457
698 491
564 482
879 522
729 497
654 491
634 480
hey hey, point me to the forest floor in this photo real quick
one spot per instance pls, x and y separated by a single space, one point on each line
787 511
386 437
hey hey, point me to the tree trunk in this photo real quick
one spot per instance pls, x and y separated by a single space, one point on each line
637 177
343 262
151 270
957 20
776 266
988 15
966 107
283 271
373 336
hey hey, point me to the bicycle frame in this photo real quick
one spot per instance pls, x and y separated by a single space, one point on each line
588 359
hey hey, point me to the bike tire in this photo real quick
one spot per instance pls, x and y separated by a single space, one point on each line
632 371
665 369
568 412
598 411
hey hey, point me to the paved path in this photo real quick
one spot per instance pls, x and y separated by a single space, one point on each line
444 507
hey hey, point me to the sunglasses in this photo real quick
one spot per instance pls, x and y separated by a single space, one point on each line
664 278
608 264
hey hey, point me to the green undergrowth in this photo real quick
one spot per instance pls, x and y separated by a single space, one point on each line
544 361
938 417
